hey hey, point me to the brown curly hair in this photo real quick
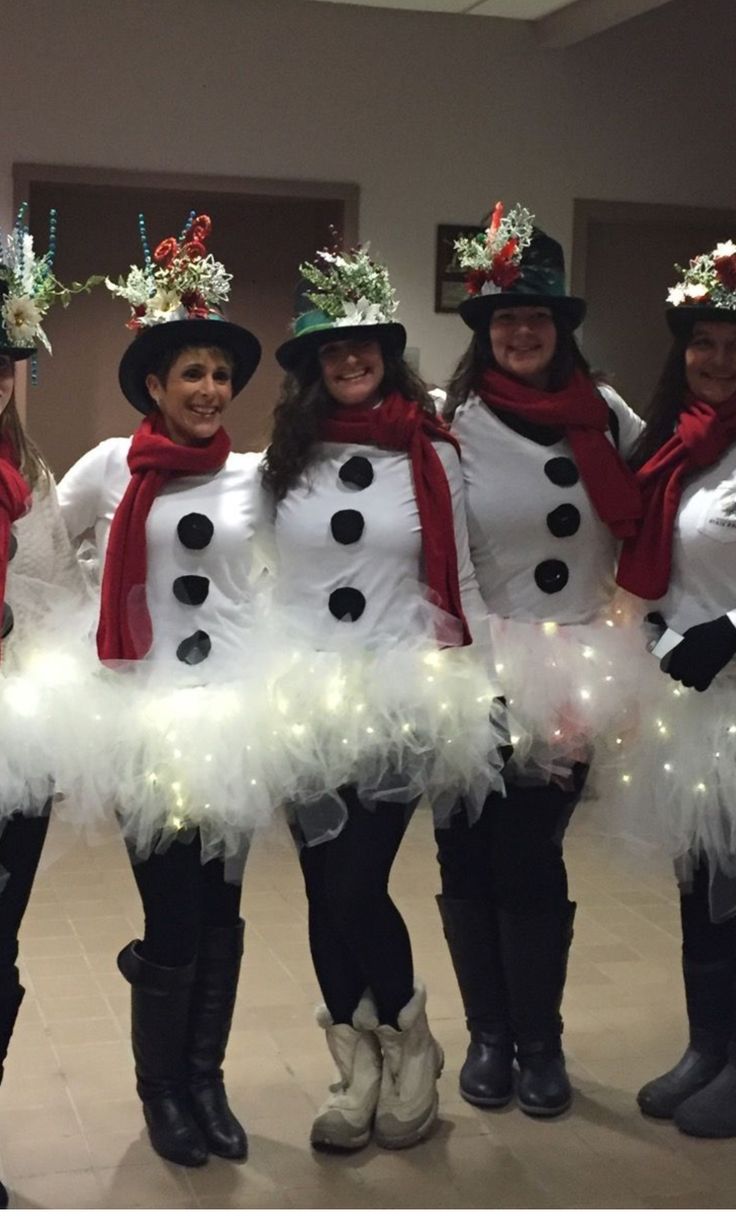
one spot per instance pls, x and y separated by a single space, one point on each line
304 404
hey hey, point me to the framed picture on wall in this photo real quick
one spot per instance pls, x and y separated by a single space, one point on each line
449 279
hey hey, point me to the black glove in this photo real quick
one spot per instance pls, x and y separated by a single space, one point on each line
703 652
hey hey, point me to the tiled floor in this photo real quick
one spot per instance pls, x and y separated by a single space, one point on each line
71 1130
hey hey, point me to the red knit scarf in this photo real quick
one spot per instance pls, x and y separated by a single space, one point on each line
701 437
404 427
15 500
124 630
583 414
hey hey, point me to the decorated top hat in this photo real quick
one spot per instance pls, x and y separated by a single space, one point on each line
706 292
514 264
28 288
345 295
175 300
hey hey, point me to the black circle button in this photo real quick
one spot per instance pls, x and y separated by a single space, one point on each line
191 589
347 527
195 531
12 546
562 471
357 472
551 576
347 603
195 648
564 521
8 621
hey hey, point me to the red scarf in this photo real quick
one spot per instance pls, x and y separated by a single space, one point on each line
701 437
403 426
582 412
15 500
124 630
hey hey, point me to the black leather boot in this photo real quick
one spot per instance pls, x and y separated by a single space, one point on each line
11 998
535 948
710 1006
210 1017
486 1078
160 1003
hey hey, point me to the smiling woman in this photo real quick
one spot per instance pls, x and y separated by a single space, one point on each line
175 515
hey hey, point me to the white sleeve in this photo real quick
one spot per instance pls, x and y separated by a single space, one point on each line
80 491
474 608
66 569
630 425
264 542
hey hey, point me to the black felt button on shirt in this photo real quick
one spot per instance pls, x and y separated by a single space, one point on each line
562 471
347 603
564 521
8 621
347 527
191 589
357 472
195 531
551 575
12 547
195 648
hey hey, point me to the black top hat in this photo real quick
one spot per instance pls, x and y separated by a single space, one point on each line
213 331
541 281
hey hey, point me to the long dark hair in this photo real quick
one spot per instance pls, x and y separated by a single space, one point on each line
304 404
31 462
478 356
666 403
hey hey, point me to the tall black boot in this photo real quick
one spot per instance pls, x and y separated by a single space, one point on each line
11 997
710 1006
535 948
486 1078
160 1003
210 1018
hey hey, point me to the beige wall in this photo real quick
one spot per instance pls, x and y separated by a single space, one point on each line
432 116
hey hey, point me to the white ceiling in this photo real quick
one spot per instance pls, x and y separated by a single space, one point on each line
557 22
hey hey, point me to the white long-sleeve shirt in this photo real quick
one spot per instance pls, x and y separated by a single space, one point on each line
540 551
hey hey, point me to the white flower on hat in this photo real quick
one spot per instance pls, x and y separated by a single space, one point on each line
22 320
361 312
676 295
695 292
726 249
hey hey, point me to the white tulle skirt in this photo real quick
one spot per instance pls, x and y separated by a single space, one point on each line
573 688
395 722
673 791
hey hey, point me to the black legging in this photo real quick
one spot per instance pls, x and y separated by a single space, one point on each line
357 935
704 941
21 842
512 855
181 897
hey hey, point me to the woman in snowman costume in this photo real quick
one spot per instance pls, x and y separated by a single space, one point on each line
548 499
174 515
384 700
43 600
678 791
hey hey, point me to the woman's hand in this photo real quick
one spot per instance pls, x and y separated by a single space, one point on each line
703 653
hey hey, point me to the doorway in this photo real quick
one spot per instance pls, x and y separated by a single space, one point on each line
261 231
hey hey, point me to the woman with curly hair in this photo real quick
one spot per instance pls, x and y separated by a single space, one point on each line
373 563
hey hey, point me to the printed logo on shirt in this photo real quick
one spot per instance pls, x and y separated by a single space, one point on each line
718 520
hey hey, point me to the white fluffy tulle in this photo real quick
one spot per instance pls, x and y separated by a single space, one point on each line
573 689
397 721
45 664
674 790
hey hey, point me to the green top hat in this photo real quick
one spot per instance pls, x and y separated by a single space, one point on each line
514 264
351 297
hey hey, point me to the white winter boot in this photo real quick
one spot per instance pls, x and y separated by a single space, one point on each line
345 1120
412 1062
